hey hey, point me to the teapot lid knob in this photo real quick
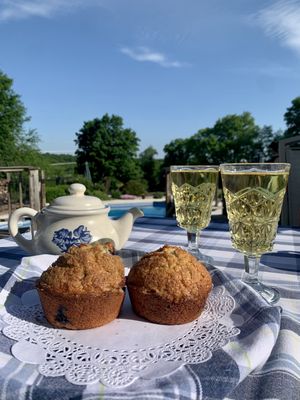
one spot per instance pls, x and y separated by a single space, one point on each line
77 189
77 203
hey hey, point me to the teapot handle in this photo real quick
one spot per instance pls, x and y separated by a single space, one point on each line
26 244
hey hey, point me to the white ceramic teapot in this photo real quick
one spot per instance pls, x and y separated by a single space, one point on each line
71 220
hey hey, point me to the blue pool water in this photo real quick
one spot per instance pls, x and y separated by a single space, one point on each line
152 210
155 209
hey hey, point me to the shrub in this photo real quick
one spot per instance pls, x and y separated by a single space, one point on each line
99 186
137 187
158 195
116 194
55 191
84 181
98 193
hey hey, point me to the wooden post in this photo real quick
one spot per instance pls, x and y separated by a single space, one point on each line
43 188
169 198
8 192
20 190
34 189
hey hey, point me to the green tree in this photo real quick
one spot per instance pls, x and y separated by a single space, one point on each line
17 145
268 143
292 119
177 152
233 138
110 150
151 168
202 146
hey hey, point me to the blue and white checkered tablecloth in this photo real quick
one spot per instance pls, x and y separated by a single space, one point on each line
263 362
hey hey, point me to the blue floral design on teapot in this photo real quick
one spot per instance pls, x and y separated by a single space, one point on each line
64 238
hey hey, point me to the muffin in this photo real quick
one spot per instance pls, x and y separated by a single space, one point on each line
83 288
169 286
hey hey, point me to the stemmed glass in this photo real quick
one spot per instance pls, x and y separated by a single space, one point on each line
193 188
254 194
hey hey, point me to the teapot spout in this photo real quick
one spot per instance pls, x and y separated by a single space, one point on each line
136 213
123 225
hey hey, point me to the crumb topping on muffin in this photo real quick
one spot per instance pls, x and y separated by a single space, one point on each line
171 273
85 269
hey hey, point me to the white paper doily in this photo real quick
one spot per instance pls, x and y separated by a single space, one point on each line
120 352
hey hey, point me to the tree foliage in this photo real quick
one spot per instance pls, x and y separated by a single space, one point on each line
53 158
151 168
268 143
233 138
292 119
17 146
177 152
110 150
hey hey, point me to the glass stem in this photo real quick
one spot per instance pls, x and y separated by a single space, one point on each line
193 245
251 269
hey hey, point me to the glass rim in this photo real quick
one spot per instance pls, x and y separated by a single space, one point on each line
194 166
268 168
257 163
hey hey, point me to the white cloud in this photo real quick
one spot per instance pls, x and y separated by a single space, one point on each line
281 20
21 9
144 54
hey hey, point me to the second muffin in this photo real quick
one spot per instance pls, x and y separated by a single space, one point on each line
169 286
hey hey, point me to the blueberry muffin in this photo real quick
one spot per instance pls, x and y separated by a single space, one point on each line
169 286
83 288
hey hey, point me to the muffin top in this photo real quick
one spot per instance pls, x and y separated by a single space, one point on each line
84 269
171 273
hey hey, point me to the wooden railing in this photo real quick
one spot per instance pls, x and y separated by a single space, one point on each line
36 184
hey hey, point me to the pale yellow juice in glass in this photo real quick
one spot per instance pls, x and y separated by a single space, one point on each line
193 192
254 201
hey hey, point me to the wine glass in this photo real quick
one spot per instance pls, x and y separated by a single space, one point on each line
193 188
254 194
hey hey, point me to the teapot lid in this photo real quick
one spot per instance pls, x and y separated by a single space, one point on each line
76 202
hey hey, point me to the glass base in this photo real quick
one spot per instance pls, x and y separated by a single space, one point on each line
205 259
200 256
250 276
193 248
269 294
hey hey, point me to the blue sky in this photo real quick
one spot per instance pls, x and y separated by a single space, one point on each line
168 67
